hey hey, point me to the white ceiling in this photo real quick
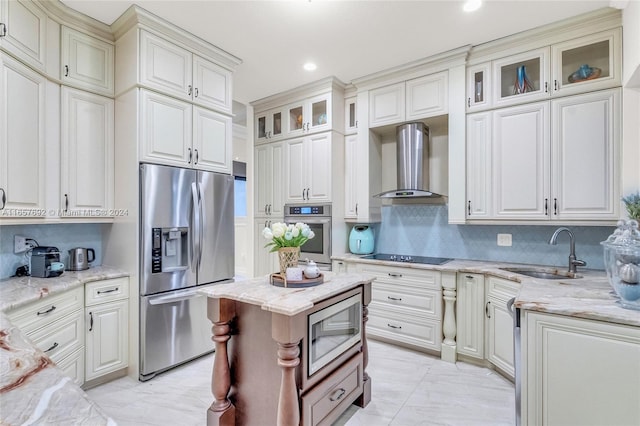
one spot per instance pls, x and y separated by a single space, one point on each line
347 39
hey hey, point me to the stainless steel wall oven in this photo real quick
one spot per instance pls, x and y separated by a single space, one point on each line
318 217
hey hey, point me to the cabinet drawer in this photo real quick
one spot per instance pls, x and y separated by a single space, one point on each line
62 337
323 404
429 302
42 312
393 326
412 278
502 289
73 366
106 291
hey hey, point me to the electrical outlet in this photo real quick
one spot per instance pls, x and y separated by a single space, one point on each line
504 240
20 244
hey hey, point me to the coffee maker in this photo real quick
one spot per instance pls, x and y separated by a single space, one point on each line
45 262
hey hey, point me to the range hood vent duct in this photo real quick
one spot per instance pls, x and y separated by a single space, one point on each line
412 162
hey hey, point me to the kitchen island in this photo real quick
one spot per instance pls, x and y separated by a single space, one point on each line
267 368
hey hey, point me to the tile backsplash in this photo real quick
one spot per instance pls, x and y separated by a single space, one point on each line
64 236
423 230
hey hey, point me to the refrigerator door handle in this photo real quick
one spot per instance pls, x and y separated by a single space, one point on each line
164 300
197 225
201 231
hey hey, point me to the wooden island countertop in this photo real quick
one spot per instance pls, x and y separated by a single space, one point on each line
260 373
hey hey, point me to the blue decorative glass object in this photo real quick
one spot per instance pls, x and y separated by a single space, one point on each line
522 83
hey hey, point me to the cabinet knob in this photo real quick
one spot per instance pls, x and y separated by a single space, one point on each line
546 207
469 208
546 87
397 299
4 198
468 102
66 202
394 275
555 206
486 309
469 277
90 321
66 70
196 93
48 311
555 85
197 157
55 345
3 33
190 155
394 326
189 91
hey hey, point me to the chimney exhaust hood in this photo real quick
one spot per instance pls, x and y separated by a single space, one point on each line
413 163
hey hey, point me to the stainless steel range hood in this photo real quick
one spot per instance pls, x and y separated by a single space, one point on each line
413 163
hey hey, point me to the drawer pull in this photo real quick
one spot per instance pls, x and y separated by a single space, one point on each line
395 275
90 321
55 345
48 311
394 298
339 393
469 277
394 326
107 291
486 309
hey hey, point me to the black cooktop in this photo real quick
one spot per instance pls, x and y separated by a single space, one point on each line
408 259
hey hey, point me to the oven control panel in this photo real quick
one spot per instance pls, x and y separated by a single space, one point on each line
308 210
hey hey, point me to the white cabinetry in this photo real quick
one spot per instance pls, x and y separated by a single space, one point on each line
350 115
269 125
406 306
55 324
22 139
269 182
499 324
87 62
521 161
579 371
310 115
308 172
550 71
265 262
411 100
86 161
23 31
106 317
170 69
180 134
470 298
552 160
351 157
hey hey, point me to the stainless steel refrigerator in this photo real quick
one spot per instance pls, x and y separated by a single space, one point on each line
186 241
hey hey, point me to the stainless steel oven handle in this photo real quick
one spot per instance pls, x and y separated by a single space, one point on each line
164 300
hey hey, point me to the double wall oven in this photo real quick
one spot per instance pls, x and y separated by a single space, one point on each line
318 217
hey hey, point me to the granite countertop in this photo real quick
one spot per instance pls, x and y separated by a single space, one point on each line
286 301
33 390
590 296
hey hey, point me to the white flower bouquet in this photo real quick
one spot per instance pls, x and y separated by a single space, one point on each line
283 235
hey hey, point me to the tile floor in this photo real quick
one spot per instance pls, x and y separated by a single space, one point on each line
408 389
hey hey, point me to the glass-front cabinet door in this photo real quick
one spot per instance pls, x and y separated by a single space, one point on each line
310 115
587 63
479 87
350 117
269 125
521 78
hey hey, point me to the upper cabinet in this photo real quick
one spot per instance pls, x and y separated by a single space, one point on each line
23 29
87 62
309 116
350 115
22 141
171 69
409 100
269 125
579 65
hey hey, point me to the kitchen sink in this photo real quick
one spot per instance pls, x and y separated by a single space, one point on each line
544 273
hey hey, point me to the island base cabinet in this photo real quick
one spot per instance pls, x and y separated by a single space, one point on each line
579 372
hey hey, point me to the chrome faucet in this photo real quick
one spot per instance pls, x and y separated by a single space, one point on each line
573 262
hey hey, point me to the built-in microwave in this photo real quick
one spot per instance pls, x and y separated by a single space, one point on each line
318 217
332 331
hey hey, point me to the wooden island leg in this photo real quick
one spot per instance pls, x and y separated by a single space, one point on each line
221 412
288 360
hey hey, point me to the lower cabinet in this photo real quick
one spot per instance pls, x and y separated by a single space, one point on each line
84 330
406 306
499 324
470 315
106 319
56 326
579 372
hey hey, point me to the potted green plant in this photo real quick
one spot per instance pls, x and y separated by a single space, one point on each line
632 204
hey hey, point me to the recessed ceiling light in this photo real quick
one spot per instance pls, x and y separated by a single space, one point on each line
471 5
310 66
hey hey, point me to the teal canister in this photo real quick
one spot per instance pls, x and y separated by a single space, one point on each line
361 240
